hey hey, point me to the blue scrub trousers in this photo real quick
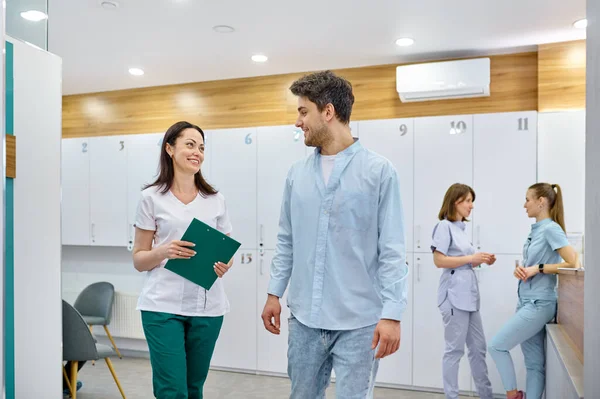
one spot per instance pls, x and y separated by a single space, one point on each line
528 328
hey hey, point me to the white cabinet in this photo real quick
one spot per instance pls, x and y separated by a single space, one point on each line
443 156
233 173
75 180
498 290
428 332
143 156
561 157
354 128
236 346
397 368
394 140
207 164
278 148
108 191
504 167
272 349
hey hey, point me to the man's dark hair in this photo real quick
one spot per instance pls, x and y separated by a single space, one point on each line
326 87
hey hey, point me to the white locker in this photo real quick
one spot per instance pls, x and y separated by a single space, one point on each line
354 128
504 166
143 157
75 207
498 290
207 163
428 329
233 173
397 368
443 156
108 191
278 148
236 346
561 157
394 140
272 349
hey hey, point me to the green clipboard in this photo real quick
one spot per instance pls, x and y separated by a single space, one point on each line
212 246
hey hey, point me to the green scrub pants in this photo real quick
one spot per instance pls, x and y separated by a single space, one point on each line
180 351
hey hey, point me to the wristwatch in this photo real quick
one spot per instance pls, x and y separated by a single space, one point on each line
541 268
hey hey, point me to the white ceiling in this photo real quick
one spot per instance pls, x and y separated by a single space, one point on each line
173 40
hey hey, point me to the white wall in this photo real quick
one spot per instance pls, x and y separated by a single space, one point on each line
592 199
37 236
561 160
82 266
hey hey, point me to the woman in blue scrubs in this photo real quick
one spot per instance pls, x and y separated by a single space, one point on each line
543 253
458 292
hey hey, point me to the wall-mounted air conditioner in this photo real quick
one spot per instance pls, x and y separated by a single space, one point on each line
443 80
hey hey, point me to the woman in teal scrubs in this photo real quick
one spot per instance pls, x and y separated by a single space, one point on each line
545 251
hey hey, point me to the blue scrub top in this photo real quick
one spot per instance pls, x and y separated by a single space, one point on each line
459 285
541 246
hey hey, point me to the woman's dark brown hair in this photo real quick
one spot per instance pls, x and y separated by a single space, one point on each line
167 170
553 195
456 192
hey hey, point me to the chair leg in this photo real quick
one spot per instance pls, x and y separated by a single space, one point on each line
92 331
113 342
74 367
67 378
112 371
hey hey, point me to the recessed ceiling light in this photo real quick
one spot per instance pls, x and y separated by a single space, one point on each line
405 41
259 58
223 29
34 15
581 24
136 71
109 5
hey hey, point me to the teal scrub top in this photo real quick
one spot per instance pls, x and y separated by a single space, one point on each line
541 246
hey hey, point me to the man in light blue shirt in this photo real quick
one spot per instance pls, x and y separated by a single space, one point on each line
341 248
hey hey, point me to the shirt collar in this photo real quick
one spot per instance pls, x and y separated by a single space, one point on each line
459 223
541 223
354 148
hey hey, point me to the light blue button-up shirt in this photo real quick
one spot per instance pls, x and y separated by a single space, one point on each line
342 246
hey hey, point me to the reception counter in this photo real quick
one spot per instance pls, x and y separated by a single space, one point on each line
564 349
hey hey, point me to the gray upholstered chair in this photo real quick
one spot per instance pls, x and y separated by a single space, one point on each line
79 346
95 305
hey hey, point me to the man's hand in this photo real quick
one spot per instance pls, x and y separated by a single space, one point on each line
387 336
272 311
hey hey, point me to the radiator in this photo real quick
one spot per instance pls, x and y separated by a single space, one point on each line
126 321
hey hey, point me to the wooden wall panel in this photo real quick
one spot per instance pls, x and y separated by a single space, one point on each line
11 156
561 74
570 308
264 101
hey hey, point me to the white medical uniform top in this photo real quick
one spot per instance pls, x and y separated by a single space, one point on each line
165 291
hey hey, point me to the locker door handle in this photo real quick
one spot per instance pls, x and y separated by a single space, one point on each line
418 235
478 237
418 269
262 262
93 232
262 229
131 235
